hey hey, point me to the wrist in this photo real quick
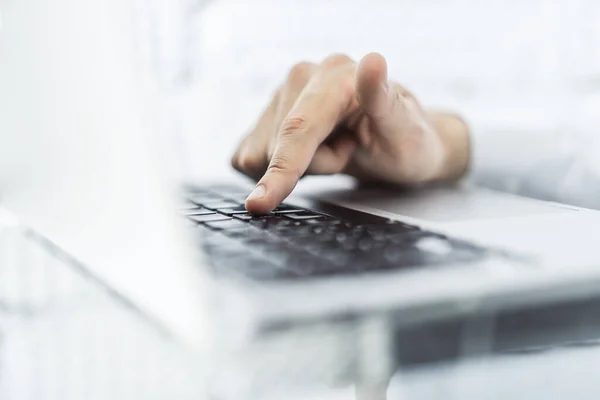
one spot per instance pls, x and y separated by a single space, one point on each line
454 135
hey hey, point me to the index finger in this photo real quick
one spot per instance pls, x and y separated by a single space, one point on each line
320 107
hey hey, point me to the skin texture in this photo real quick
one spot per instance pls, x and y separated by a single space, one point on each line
340 116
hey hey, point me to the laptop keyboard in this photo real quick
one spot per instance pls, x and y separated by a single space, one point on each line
298 243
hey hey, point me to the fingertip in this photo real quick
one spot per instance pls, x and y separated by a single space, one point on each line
372 69
270 191
371 84
258 206
257 202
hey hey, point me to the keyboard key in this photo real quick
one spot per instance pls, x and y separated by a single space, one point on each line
402 256
212 239
306 265
278 255
196 191
338 257
285 209
376 235
229 190
243 217
303 216
407 238
215 205
208 218
228 224
188 206
238 198
201 199
257 238
259 221
366 244
343 237
241 264
199 211
280 224
240 209
240 233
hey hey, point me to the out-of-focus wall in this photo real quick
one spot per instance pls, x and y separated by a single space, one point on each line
522 62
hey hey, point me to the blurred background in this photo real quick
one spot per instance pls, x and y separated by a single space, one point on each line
510 62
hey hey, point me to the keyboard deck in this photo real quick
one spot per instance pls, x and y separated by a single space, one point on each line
298 243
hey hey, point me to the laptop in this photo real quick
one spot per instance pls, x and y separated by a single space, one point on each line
87 161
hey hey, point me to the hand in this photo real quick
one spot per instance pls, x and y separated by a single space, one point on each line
340 117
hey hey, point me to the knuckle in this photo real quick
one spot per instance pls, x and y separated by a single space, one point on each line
293 126
250 162
336 60
234 163
281 165
300 73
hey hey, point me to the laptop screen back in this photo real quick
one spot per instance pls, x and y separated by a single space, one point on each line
85 156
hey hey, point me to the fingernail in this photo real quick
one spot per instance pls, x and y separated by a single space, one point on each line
257 193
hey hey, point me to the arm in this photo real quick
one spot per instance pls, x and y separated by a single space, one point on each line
454 134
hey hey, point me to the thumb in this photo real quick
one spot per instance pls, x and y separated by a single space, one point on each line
378 99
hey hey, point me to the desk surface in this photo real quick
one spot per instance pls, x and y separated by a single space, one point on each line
63 336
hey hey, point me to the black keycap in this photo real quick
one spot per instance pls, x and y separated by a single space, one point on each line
202 199
348 239
376 234
368 245
229 224
338 257
406 238
271 222
238 198
240 233
403 256
243 217
240 209
339 226
246 265
213 239
278 255
196 191
285 209
229 190
208 218
199 211
259 221
281 225
188 205
323 247
303 216
215 205
258 238
303 265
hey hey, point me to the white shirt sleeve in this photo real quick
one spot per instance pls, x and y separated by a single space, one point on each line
553 156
